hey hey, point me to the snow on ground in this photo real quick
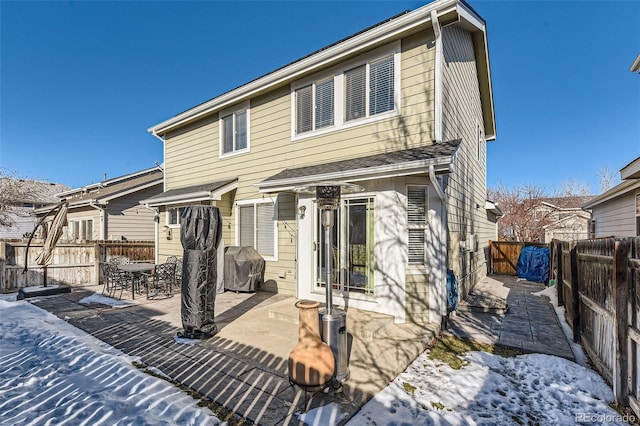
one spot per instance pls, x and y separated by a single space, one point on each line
54 373
490 390
108 301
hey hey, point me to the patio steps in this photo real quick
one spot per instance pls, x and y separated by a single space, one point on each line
369 326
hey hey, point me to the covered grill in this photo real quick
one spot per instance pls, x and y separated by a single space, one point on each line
243 269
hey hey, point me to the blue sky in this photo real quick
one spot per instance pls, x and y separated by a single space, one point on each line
81 82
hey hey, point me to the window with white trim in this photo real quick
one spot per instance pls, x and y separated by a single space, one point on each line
417 208
234 131
81 229
257 227
315 106
173 216
367 87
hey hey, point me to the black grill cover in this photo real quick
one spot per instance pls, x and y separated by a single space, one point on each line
200 234
243 269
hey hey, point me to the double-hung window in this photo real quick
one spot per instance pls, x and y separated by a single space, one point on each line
234 131
315 106
417 208
369 89
257 227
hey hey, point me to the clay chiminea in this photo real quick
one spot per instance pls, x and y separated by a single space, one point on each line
311 362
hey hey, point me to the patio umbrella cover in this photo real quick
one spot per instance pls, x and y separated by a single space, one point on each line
200 234
45 256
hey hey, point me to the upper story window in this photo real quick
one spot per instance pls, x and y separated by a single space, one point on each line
234 130
377 76
314 106
349 94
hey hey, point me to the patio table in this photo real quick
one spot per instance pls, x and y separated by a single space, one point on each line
136 269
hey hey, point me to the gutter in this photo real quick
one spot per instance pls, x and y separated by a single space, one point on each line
391 170
156 231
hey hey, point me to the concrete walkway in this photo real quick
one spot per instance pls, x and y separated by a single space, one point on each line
502 310
244 367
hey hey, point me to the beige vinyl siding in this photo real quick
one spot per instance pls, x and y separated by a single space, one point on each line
462 113
192 154
83 213
126 217
616 217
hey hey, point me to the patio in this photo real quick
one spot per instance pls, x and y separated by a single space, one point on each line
244 367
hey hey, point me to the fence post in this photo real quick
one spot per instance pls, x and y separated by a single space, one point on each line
621 296
575 293
3 262
490 257
559 282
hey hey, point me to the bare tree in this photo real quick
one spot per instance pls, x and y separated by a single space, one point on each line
14 193
607 178
523 218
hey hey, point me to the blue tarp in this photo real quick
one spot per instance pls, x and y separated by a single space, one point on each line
533 264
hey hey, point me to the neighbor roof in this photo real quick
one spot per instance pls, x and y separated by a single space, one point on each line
102 192
396 163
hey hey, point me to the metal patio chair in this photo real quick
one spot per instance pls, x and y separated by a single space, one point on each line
160 283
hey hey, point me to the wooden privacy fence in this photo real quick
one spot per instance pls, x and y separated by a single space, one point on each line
74 264
503 256
598 283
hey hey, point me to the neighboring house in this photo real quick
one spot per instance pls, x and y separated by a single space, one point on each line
403 109
33 194
111 210
616 212
564 218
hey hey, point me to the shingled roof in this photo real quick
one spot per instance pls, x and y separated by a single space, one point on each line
420 157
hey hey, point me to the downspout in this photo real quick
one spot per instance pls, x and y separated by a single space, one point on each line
103 221
156 231
437 83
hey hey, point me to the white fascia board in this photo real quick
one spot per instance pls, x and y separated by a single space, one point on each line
359 175
129 191
614 192
359 42
631 170
192 196
182 198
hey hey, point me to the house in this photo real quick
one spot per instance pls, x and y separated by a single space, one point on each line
26 196
111 210
616 212
564 218
403 109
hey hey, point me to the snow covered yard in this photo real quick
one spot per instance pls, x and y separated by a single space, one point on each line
53 373
491 389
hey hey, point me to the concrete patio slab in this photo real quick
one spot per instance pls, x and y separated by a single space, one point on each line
244 367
